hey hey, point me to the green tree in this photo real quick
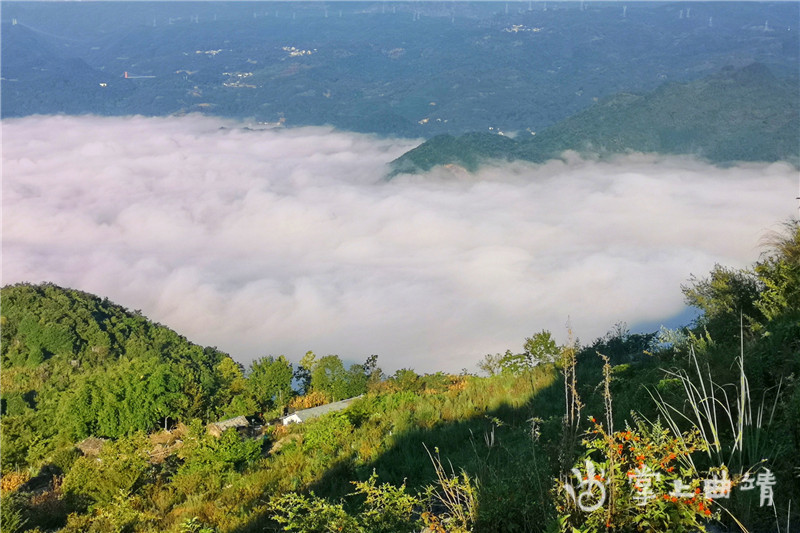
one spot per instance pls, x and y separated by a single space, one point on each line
231 376
133 396
541 348
330 377
779 273
723 297
372 371
303 372
233 395
228 452
407 379
270 381
358 380
491 364
506 363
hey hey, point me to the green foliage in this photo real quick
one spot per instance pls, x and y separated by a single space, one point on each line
702 117
122 514
541 348
230 452
303 372
63 458
457 493
632 473
406 379
386 508
723 297
16 438
779 277
132 396
514 363
239 405
233 395
12 516
508 362
45 338
620 346
270 381
736 433
310 514
16 404
194 525
211 462
330 377
93 367
327 433
121 467
491 364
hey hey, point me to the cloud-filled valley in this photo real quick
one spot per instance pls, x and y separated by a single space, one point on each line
282 241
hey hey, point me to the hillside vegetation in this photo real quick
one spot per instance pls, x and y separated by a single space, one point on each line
88 388
742 114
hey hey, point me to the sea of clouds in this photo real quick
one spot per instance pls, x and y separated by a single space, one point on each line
282 241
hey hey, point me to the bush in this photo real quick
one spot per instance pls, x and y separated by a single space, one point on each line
633 480
387 509
327 432
209 461
121 466
311 514
12 508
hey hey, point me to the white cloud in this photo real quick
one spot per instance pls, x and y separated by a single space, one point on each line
277 242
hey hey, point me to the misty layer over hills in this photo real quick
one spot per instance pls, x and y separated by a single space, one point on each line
281 241
214 179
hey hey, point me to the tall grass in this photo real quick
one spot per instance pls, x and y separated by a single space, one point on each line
572 406
457 493
737 436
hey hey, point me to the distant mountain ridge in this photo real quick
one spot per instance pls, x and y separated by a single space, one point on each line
406 69
744 114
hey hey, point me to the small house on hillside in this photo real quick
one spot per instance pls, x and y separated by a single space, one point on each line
303 415
241 424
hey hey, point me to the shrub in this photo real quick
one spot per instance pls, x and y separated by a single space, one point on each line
327 432
297 512
635 479
13 480
12 518
194 525
121 466
456 494
386 508
209 460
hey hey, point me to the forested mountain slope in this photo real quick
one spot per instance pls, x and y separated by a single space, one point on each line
742 114
78 365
